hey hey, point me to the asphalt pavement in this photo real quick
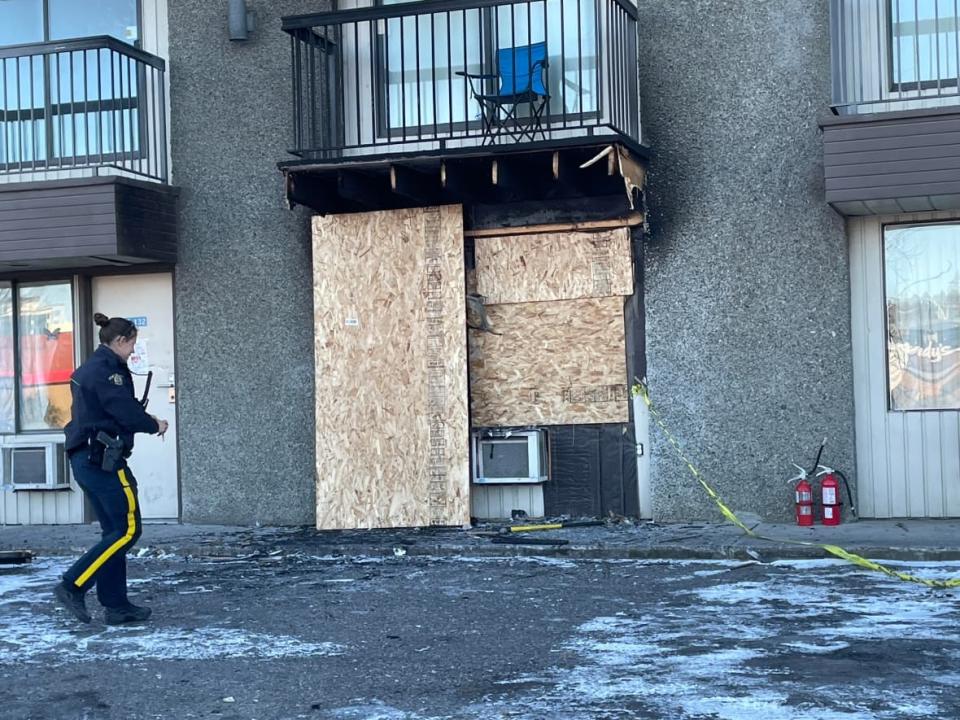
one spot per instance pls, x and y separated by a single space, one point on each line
287 633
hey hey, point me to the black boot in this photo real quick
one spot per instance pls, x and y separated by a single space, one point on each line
72 600
126 614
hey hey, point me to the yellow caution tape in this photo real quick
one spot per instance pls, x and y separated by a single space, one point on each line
534 528
640 390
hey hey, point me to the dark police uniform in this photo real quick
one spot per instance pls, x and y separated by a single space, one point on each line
104 400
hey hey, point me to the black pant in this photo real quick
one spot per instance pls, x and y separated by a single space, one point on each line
113 496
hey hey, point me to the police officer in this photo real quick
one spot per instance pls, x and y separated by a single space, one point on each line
105 416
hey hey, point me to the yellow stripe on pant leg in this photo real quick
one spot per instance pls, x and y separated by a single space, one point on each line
131 530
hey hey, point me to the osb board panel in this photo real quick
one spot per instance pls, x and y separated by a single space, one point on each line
391 369
554 266
555 363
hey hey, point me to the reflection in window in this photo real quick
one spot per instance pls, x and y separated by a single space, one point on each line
922 267
21 22
569 29
68 106
70 19
45 328
7 378
424 53
923 43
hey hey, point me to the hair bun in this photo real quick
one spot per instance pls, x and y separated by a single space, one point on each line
101 319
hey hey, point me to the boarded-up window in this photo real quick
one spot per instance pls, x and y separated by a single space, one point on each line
391 364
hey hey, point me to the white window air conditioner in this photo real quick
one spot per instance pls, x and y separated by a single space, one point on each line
510 456
39 466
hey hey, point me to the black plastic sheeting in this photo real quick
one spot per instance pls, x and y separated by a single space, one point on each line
593 468
593 471
633 316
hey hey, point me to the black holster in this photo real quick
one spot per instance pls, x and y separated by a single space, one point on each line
112 451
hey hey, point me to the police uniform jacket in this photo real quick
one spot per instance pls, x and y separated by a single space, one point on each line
104 400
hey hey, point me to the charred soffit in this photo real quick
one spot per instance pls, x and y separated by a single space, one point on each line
360 185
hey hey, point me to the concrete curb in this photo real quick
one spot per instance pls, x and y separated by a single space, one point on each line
765 551
927 540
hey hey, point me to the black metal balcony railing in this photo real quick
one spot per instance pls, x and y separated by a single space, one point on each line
394 78
85 103
894 54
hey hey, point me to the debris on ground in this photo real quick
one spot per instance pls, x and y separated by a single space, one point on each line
526 540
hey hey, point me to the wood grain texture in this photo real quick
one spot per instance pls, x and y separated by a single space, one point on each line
391 382
554 363
554 266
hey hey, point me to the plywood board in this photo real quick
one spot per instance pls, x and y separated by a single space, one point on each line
554 266
554 363
391 369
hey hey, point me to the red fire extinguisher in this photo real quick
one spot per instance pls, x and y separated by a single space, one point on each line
829 495
804 498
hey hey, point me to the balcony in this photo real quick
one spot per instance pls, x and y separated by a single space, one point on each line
92 103
891 140
83 156
445 101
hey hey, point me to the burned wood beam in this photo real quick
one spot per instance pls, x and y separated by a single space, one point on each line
634 176
631 219
623 167
609 154
510 217
315 191
420 187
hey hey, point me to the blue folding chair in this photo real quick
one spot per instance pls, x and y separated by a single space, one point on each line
521 72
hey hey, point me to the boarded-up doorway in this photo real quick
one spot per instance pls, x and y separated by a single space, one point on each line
391 369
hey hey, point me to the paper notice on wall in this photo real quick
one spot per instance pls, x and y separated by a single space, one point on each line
139 361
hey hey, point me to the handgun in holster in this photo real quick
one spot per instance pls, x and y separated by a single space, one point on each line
112 452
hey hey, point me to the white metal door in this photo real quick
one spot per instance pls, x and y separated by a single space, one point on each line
148 301
908 463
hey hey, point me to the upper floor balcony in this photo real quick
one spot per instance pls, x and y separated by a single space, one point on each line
82 107
891 140
478 94
83 156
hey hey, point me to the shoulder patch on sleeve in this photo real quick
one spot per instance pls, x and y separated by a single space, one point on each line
116 379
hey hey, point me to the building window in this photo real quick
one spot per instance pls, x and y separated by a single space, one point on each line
420 56
923 44
72 106
22 21
37 356
922 286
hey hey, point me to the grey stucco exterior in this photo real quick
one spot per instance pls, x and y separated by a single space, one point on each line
243 288
746 271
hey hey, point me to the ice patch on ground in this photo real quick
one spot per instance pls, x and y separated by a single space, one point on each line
16 578
33 630
812 649
372 710
718 652
31 637
801 595
507 559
